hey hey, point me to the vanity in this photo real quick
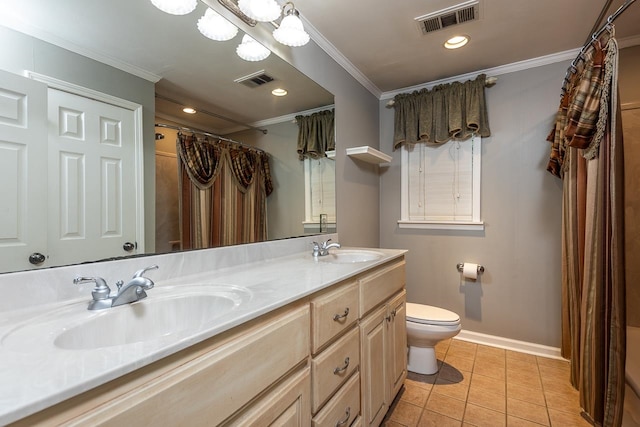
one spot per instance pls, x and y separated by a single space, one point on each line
287 338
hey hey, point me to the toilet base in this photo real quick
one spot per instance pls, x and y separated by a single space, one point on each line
422 360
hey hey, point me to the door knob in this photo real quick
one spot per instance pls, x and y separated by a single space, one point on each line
36 258
129 246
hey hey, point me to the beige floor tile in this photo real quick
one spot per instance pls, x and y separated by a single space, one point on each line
524 365
414 393
528 411
434 419
445 405
457 390
566 419
443 345
494 359
480 397
461 363
553 363
560 373
567 402
426 380
520 356
406 414
519 422
524 379
453 374
487 350
483 417
488 384
389 423
528 394
557 385
489 369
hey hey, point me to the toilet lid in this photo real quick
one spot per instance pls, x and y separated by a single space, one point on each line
430 315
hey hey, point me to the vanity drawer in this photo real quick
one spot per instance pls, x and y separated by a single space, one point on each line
343 408
381 285
332 313
333 366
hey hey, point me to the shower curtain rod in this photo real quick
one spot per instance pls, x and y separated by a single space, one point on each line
213 135
209 113
594 36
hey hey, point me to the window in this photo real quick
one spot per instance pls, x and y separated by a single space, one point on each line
441 185
320 192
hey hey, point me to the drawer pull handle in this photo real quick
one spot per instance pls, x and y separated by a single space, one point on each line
337 317
339 370
347 415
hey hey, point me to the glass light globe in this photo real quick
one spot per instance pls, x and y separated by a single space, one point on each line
260 10
251 50
215 27
175 7
291 32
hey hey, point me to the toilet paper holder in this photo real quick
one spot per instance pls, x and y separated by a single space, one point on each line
460 267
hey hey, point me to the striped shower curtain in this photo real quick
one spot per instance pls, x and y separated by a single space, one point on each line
223 190
587 154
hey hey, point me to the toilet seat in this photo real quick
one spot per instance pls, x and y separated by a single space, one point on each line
429 315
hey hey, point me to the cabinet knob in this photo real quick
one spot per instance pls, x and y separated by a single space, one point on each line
347 415
338 317
339 370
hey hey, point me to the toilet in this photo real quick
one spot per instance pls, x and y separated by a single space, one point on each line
426 326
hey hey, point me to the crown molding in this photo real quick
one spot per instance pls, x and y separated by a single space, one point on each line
337 56
45 36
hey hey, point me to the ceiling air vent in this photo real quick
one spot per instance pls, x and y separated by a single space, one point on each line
255 79
454 15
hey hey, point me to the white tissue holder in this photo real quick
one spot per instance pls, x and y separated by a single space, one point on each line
460 267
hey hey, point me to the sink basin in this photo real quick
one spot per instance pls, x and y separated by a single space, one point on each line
171 312
349 256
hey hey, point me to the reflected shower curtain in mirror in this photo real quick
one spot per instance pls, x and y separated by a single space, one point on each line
223 189
587 154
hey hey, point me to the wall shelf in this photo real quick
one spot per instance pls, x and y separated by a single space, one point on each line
369 155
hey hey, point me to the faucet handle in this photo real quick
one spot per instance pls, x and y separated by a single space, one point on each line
139 273
324 244
101 290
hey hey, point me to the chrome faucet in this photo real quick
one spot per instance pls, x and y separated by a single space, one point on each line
133 291
323 249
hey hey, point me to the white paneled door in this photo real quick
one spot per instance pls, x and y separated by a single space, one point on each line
23 172
92 179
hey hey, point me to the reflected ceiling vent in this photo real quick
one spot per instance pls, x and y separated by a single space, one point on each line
255 79
454 15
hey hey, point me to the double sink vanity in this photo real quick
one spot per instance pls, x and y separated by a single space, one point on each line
248 335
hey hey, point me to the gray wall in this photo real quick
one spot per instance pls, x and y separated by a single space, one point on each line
519 294
19 52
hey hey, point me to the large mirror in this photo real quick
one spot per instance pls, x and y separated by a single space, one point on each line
132 51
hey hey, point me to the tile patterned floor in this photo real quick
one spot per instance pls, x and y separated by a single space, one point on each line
482 386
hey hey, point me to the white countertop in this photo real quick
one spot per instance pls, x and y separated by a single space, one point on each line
40 374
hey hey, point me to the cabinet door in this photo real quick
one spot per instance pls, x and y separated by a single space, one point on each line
373 364
397 344
285 406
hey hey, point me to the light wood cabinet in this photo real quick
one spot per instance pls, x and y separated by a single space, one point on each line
396 344
333 312
374 356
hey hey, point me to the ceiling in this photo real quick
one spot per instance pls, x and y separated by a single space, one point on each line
381 39
378 41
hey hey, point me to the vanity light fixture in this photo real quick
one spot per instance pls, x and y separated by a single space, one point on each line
291 31
251 50
260 10
456 42
189 110
279 92
215 27
176 7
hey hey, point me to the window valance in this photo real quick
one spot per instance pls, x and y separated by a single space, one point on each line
450 111
316 134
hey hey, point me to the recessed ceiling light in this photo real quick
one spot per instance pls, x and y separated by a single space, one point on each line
279 92
189 110
456 42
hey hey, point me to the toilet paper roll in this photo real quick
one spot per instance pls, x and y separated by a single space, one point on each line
470 270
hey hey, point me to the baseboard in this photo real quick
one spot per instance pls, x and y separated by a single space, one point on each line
510 344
